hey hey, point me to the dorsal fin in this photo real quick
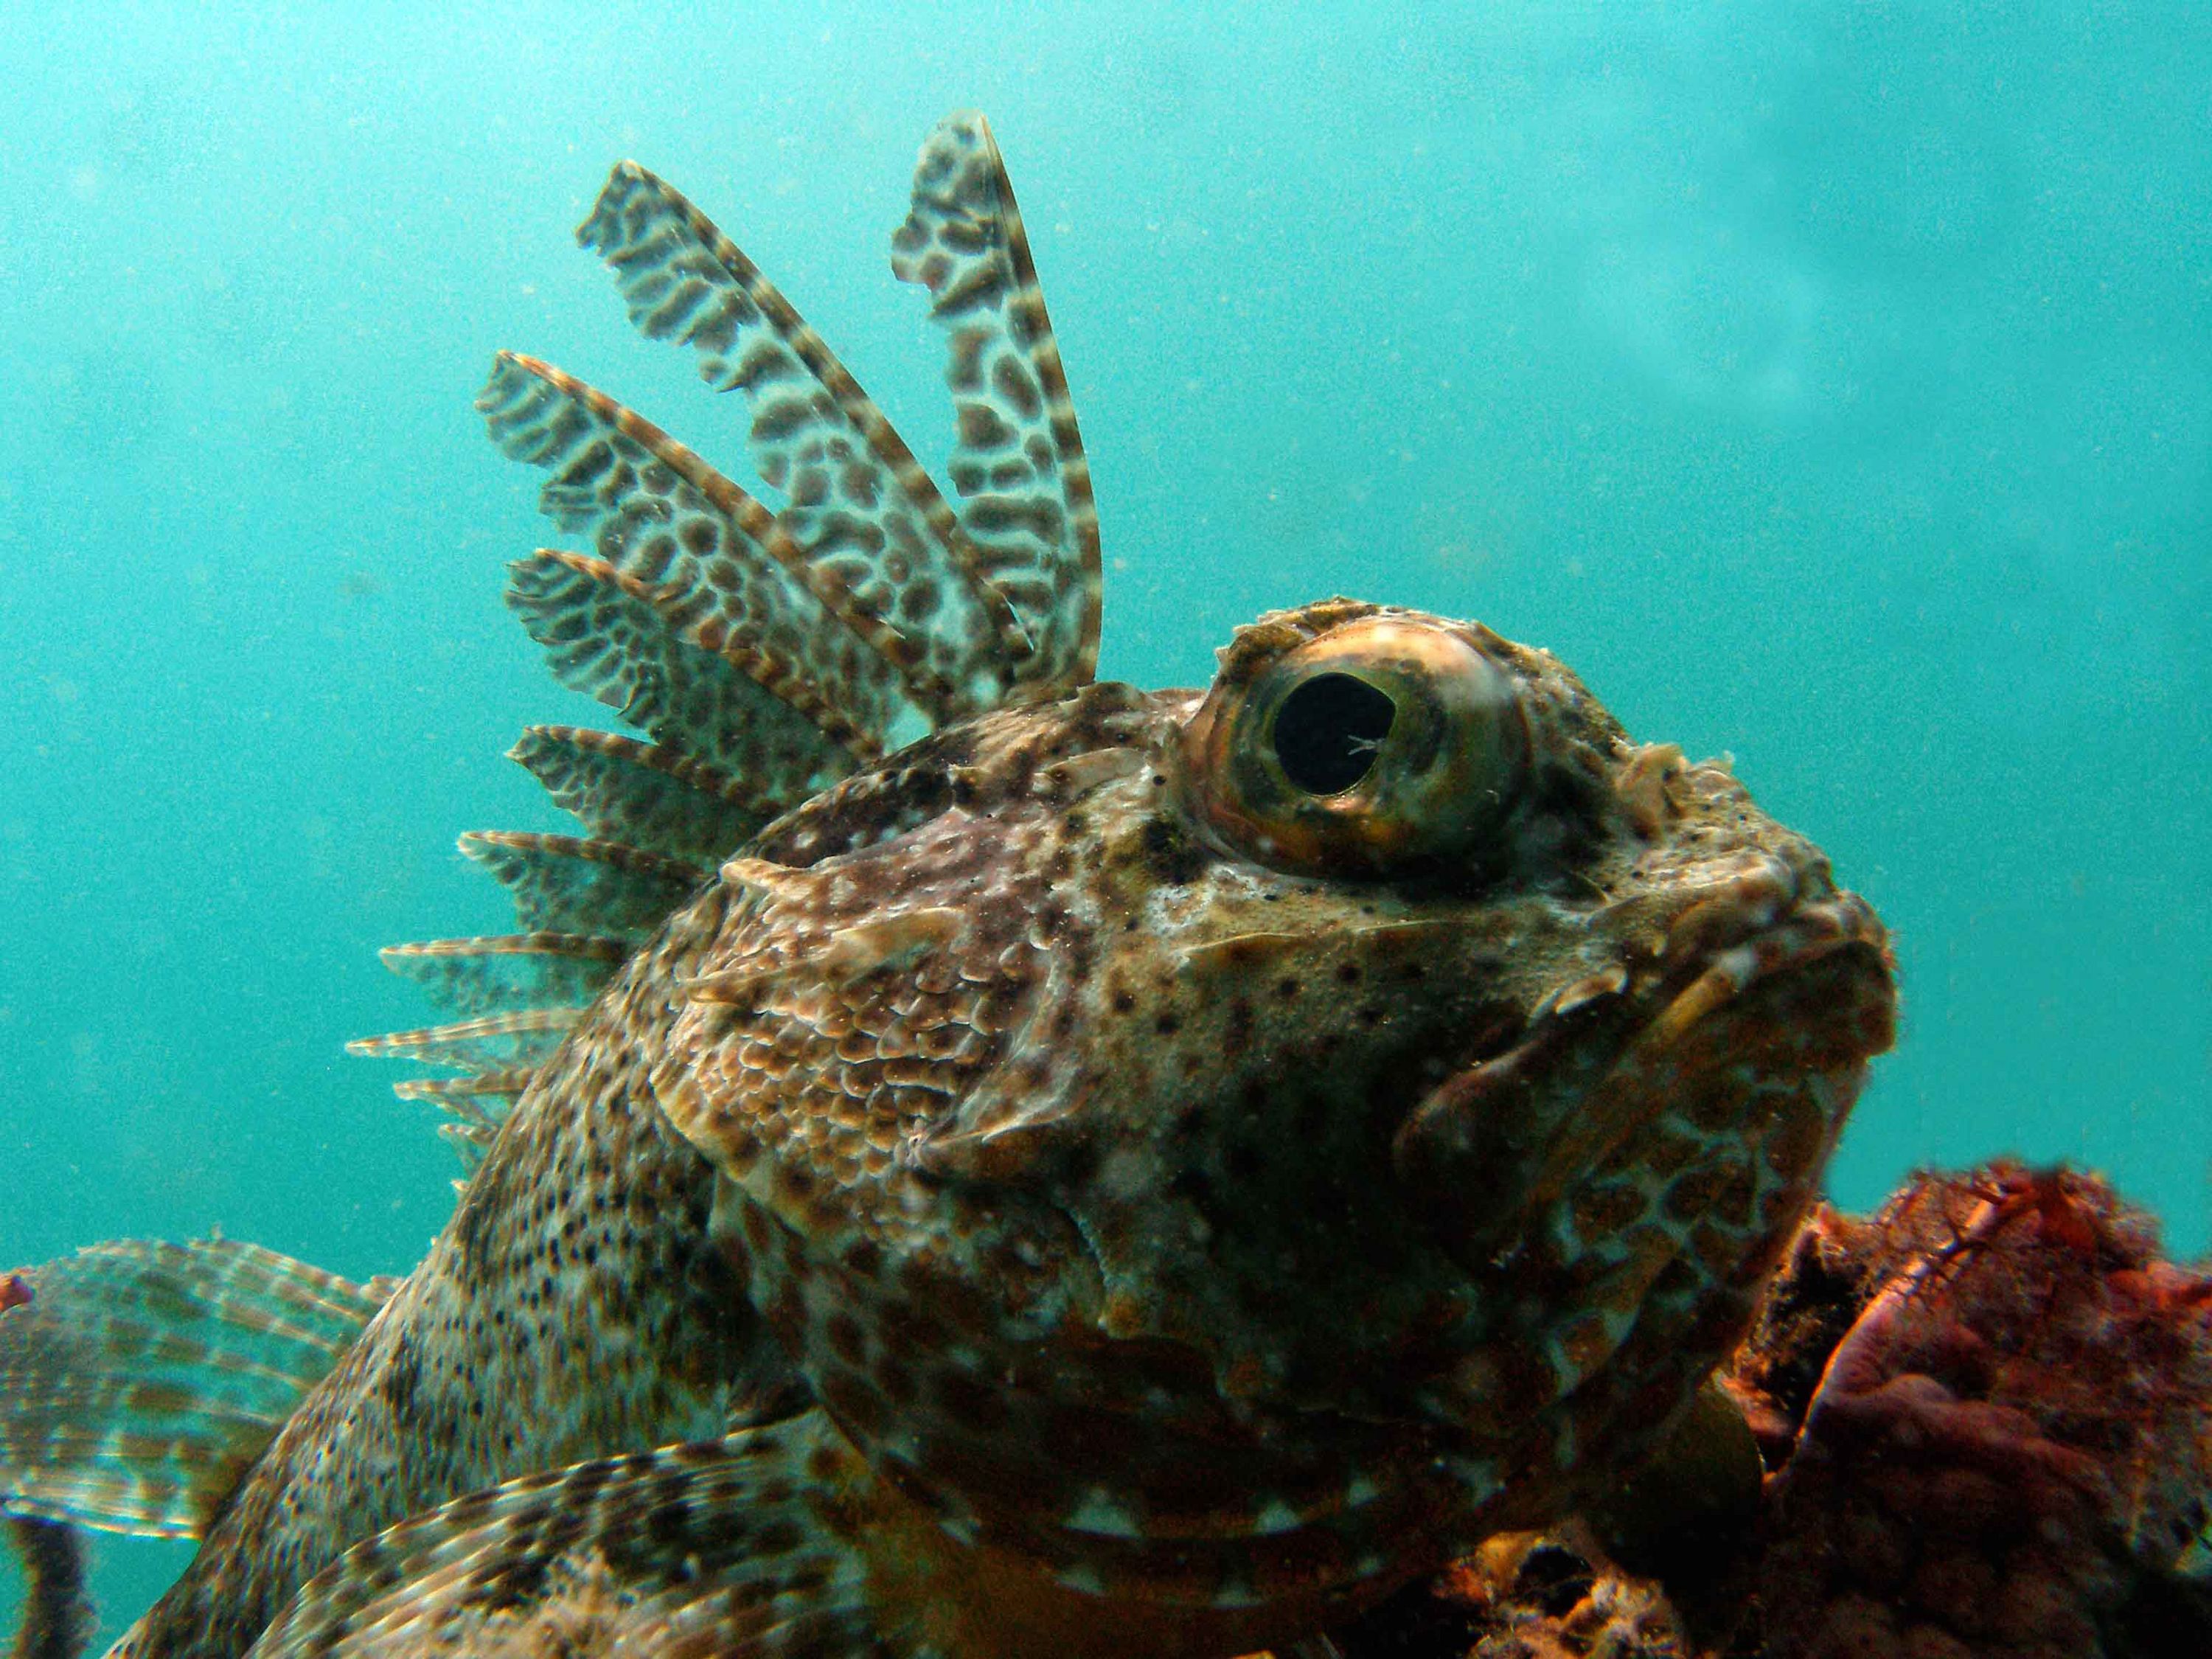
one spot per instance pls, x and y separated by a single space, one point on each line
765 654
570 884
497 1042
653 796
639 646
1018 463
859 507
498 974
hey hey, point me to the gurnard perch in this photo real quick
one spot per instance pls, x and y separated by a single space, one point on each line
968 1161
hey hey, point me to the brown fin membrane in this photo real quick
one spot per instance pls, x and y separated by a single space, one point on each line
655 797
864 517
565 884
730 1546
658 513
139 1379
641 648
1019 461
474 976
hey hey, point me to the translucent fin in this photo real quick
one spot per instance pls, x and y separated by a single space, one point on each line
497 1042
141 1379
632 645
1018 463
723 1548
659 513
477 1105
564 885
474 976
867 520
651 796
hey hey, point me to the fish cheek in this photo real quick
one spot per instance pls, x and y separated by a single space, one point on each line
1236 1187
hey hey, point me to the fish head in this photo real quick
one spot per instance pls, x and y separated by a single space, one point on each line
1355 1102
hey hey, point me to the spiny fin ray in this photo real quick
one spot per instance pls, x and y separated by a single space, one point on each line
859 507
1018 460
140 1379
471 976
717 1548
495 1043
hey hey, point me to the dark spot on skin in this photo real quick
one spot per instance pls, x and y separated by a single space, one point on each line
1238 1037
1347 972
1169 852
1288 990
1124 1001
1168 1024
845 1341
977 1406
400 1380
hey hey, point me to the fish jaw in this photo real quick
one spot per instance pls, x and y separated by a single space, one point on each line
1213 1233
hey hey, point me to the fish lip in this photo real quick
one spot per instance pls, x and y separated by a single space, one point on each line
1525 1104
1810 931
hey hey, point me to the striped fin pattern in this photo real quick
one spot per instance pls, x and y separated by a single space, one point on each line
1018 463
473 976
496 1042
653 796
140 1379
864 517
625 641
475 1105
765 654
562 884
723 1548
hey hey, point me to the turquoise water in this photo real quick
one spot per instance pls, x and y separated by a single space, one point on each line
1830 384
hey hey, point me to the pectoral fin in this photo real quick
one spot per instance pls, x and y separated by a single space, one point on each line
736 1547
139 1380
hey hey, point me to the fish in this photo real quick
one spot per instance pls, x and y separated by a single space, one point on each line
962 1159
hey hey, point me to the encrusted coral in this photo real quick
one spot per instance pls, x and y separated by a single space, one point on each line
1986 1412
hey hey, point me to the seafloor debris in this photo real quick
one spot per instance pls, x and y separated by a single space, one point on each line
1985 1414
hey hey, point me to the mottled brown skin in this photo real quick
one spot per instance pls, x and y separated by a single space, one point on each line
571 1307
1072 1148
1199 1235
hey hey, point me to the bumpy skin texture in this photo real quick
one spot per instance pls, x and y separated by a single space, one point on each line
2008 1455
1219 1242
572 1306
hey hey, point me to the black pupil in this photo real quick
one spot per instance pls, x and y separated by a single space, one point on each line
1328 730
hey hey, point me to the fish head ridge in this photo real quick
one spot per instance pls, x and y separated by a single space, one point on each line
1242 1142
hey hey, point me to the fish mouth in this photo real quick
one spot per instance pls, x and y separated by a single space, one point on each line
1793 980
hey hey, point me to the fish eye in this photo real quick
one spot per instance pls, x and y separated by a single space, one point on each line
1365 749
1329 730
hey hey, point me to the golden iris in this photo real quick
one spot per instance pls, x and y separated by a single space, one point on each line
1380 745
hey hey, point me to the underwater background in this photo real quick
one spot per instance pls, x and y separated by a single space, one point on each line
1830 384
